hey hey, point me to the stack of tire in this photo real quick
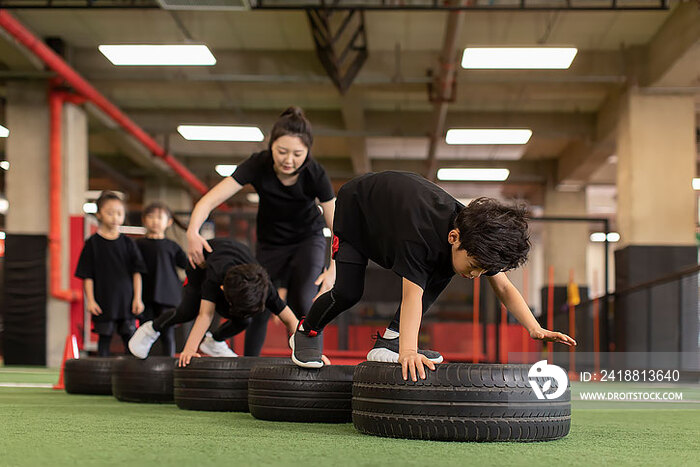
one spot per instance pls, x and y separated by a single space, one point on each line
89 376
291 394
149 380
216 383
457 402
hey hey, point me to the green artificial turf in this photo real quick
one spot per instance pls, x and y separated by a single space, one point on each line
46 427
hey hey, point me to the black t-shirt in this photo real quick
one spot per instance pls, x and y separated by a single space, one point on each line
161 284
286 214
226 253
400 221
111 264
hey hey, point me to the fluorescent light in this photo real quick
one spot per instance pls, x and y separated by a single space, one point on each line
327 232
487 175
253 198
90 208
488 136
559 58
599 237
4 205
220 133
158 55
225 170
696 184
2 235
5 165
4 132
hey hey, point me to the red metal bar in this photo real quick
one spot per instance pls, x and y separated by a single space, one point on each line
526 293
503 330
80 85
475 322
550 308
56 100
572 328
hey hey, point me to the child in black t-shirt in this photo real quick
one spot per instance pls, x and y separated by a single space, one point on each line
229 282
161 285
111 266
407 224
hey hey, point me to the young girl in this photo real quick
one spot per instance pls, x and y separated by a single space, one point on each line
291 245
161 285
111 266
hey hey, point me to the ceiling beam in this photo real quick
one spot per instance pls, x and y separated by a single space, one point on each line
673 54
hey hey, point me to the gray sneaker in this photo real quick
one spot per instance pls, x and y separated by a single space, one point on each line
306 350
387 350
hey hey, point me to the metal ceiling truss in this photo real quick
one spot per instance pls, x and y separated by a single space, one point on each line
75 4
484 5
341 43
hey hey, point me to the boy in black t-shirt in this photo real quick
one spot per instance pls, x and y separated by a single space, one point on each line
231 283
407 224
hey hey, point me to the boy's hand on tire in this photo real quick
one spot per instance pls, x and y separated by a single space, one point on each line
412 362
186 356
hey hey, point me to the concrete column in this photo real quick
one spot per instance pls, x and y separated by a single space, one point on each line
28 187
656 163
176 198
657 155
565 242
28 153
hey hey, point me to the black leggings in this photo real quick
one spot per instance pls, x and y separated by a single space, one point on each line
294 267
348 290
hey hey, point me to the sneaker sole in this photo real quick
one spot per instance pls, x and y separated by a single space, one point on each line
388 356
302 364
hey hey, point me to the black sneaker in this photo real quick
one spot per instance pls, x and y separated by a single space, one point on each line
306 350
387 350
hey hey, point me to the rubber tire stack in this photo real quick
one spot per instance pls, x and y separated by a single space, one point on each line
149 380
88 376
291 394
456 402
217 384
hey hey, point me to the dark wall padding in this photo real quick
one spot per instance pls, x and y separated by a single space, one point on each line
24 304
662 319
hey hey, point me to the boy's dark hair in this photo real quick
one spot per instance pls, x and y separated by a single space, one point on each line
160 206
494 234
292 122
245 289
108 196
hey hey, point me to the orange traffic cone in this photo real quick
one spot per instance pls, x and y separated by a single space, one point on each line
69 351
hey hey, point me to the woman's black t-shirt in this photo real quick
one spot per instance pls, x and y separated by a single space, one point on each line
400 221
161 284
225 254
111 264
286 214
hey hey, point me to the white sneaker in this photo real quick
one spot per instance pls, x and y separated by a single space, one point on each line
142 340
216 348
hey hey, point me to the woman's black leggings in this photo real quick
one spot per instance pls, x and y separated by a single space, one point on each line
294 267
